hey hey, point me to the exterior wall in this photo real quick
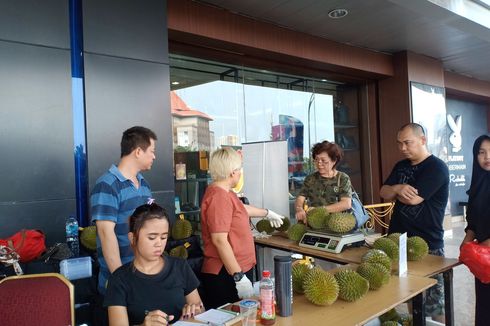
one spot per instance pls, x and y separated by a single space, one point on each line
37 166
126 84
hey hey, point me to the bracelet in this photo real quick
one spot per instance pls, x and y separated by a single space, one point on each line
266 212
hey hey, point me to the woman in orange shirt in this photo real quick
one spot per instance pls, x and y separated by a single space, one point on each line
229 252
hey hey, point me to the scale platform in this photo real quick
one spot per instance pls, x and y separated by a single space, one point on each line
331 242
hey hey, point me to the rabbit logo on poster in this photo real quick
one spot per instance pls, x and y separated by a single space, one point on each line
455 137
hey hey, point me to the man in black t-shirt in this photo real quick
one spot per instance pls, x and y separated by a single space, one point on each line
419 185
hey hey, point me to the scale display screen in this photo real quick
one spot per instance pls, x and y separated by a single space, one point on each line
329 242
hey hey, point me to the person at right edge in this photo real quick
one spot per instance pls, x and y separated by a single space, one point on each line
419 185
478 217
229 252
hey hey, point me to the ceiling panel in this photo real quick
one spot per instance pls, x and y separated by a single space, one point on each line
387 26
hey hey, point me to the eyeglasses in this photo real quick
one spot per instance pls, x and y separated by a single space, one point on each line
323 162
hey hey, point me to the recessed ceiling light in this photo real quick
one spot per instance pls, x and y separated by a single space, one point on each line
338 13
175 83
324 80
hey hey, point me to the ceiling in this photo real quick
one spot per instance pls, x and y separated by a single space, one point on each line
428 27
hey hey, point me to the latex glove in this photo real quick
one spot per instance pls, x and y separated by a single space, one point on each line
244 288
274 219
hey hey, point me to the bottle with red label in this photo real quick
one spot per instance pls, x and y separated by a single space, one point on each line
267 302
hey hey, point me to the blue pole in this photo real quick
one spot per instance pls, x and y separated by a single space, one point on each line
78 106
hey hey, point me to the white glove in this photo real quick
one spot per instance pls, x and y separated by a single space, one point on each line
244 288
274 219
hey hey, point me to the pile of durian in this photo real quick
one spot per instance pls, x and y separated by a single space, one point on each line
393 318
417 247
181 229
323 288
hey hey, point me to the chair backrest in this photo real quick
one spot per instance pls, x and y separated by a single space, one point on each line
379 215
37 299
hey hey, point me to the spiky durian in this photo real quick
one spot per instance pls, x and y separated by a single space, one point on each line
316 217
391 314
417 248
388 246
395 237
88 237
264 226
375 273
320 287
390 323
298 272
179 251
352 286
341 222
296 231
377 256
405 320
181 229
286 223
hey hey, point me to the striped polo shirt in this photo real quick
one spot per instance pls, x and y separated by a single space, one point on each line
114 198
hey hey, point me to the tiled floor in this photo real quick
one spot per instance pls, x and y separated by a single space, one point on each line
463 281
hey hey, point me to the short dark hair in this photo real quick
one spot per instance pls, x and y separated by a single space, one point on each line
144 213
136 137
333 151
416 128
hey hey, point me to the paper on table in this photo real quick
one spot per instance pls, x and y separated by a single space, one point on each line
186 323
214 316
402 260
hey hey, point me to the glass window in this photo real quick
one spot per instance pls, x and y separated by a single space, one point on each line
214 105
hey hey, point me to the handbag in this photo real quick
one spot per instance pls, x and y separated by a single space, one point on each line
27 244
357 208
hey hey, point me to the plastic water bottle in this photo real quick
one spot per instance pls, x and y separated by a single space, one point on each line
267 304
72 235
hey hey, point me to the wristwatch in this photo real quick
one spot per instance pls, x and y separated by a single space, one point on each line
238 276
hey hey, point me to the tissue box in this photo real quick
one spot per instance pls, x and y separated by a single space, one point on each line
76 268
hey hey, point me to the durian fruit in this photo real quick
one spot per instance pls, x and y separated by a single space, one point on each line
298 272
286 223
352 286
406 320
341 222
320 287
391 314
264 226
181 229
388 246
88 237
375 273
390 323
316 217
179 251
377 256
395 237
296 231
417 248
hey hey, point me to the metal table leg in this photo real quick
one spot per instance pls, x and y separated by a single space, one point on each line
418 304
448 296
259 256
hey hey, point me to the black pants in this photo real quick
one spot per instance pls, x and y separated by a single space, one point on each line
482 311
220 289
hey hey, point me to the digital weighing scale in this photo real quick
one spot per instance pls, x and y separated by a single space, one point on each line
331 242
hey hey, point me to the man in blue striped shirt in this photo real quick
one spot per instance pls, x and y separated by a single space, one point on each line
116 195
